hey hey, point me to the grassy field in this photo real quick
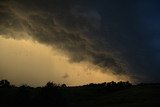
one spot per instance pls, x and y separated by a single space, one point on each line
136 96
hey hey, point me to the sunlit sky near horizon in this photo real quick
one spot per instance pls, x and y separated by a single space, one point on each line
29 62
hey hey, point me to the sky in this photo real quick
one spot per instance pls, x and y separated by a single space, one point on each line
79 42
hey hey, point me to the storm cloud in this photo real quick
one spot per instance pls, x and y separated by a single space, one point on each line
106 33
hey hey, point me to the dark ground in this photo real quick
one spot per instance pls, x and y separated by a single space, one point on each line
93 95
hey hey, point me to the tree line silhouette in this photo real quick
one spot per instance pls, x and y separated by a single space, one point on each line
52 94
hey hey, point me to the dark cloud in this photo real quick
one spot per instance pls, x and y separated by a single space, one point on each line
106 33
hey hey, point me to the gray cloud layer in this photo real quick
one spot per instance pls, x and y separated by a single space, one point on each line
105 35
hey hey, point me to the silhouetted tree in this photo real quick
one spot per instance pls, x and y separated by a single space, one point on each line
63 85
111 84
53 94
51 85
4 83
50 95
128 84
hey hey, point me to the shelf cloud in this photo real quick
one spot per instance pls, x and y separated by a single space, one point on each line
104 35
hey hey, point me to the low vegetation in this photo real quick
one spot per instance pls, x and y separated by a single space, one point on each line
111 94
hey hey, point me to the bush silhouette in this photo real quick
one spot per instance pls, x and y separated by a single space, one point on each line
4 83
64 85
54 94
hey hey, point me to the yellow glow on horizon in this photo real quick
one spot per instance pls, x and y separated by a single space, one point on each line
32 63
